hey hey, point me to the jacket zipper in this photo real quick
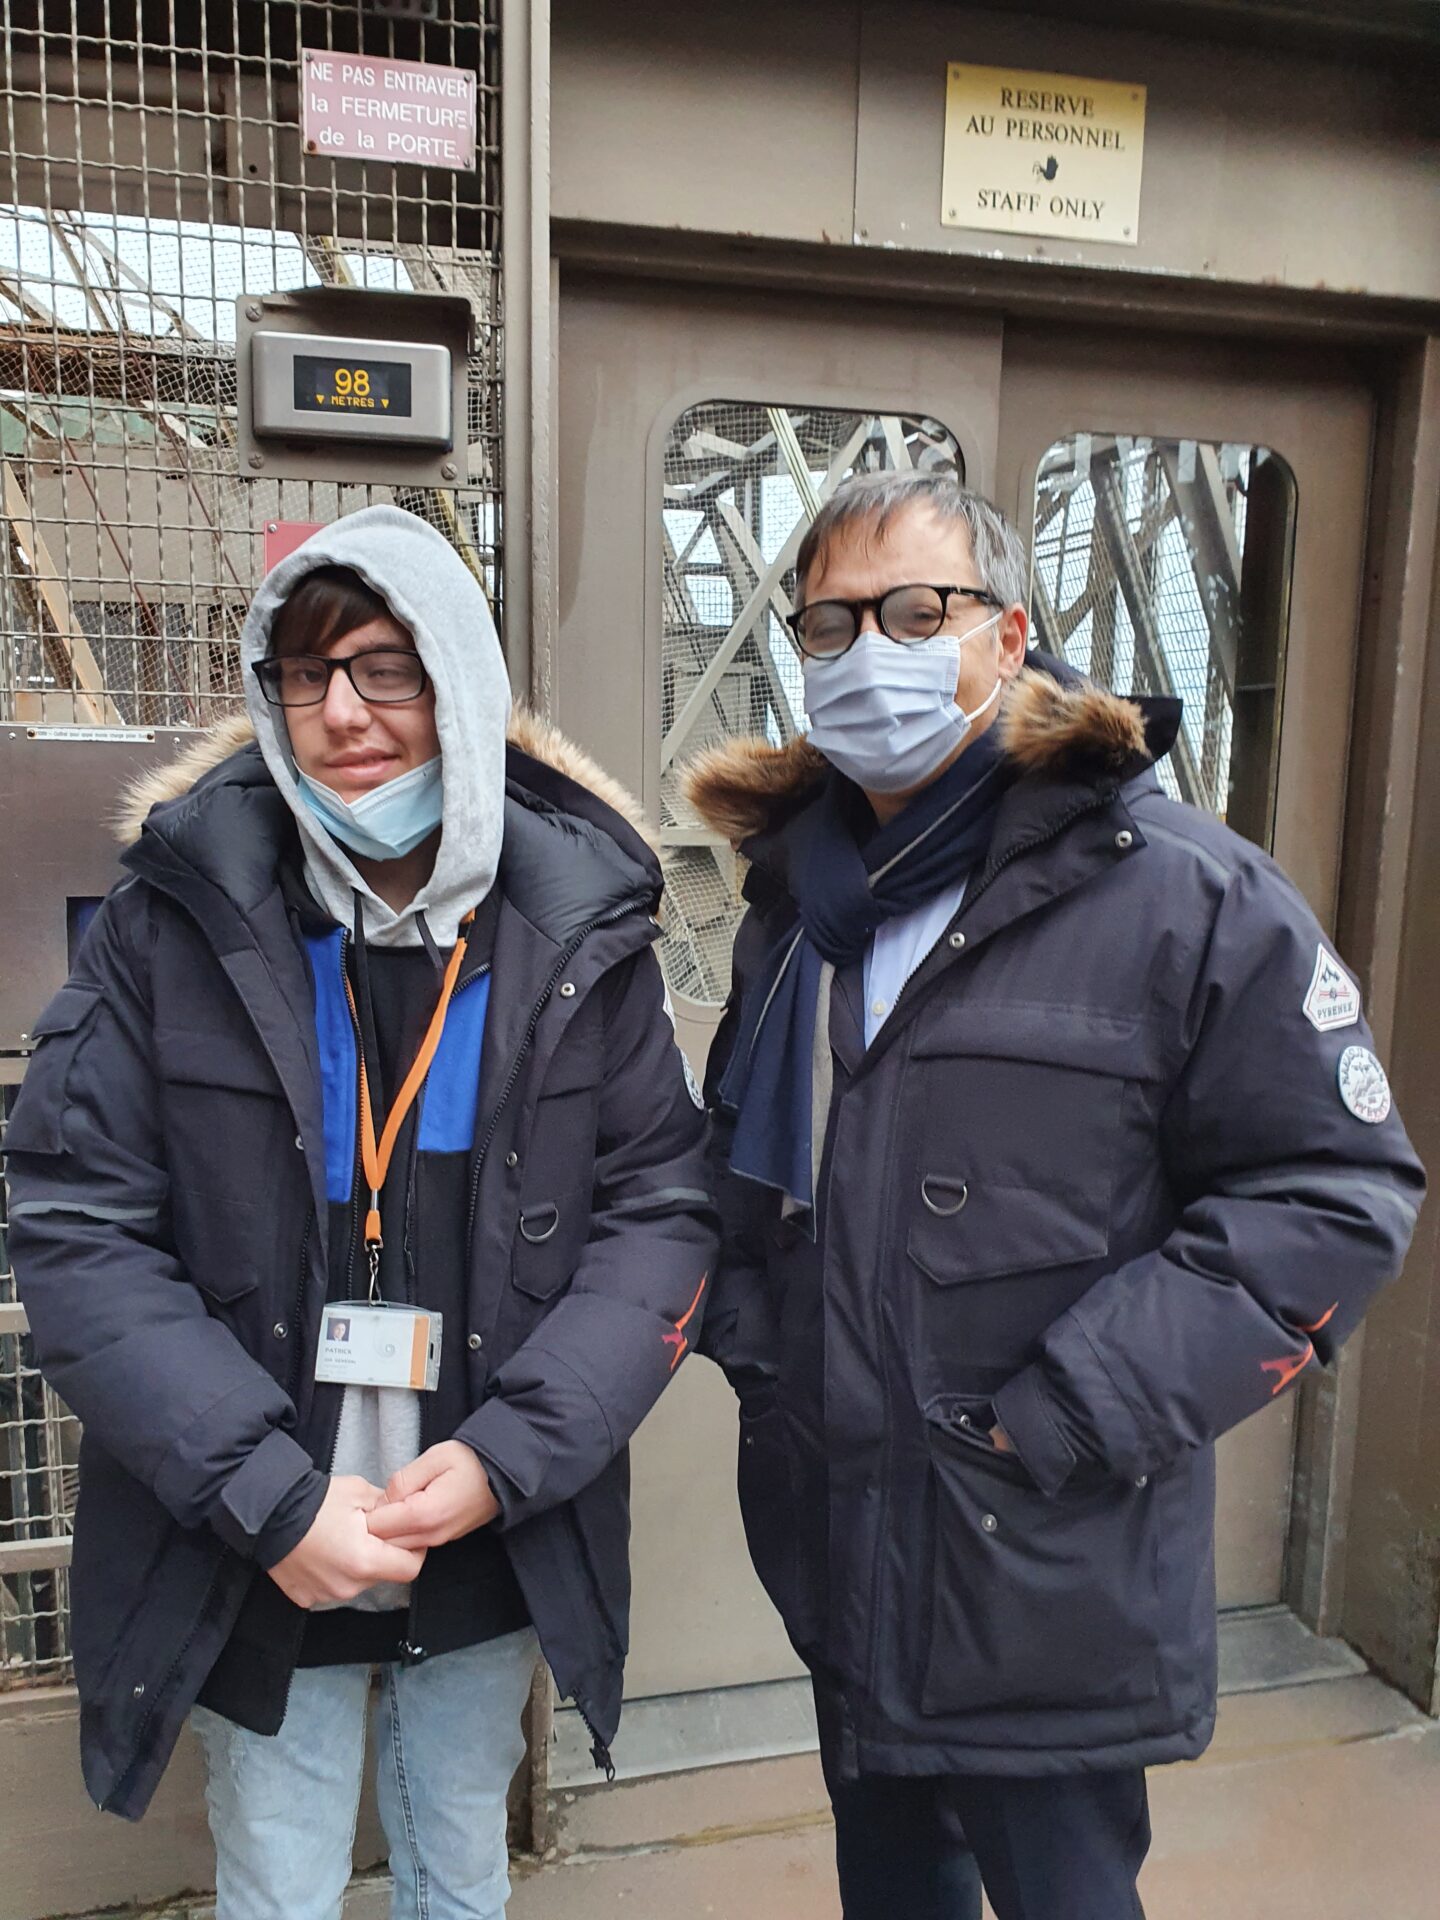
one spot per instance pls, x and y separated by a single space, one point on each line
298 1312
1092 804
601 920
411 1653
345 943
411 1205
599 1751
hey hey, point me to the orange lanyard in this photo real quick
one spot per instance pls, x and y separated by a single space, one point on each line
375 1156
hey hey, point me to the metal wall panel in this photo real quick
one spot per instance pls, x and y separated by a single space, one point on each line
155 173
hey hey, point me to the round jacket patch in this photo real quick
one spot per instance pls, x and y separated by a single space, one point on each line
1363 1086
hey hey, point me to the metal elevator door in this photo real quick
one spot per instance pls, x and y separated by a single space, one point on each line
1229 486
1226 485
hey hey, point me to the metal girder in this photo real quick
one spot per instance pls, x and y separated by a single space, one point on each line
1214 551
764 592
742 546
1130 577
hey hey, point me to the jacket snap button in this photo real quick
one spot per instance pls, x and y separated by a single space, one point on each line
474 1343
567 991
1143 1481
957 941
966 1421
1124 839
512 1159
299 1143
138 1692
989 1523
280 1329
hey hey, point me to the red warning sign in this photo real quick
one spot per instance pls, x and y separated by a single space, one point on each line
355 108
282 537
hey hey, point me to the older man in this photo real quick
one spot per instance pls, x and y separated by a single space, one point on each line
1051 1144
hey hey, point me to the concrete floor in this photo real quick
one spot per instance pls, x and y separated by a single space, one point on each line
1317 1802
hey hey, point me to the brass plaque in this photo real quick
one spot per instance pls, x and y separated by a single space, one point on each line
1044 153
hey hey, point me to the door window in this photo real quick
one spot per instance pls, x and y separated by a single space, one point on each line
1163 567
742 481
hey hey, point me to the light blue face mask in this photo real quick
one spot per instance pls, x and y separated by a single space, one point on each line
385 823
885 714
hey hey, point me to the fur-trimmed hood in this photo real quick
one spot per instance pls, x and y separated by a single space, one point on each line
527 732
1052 722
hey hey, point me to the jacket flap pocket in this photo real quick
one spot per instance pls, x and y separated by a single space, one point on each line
214 1060
997 1229
1089 1039
69 1010
549 1238
577 1062
37 1123
229 1282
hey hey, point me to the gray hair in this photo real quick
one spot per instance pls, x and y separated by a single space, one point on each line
872 501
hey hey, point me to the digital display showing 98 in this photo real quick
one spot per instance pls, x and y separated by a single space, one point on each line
352 386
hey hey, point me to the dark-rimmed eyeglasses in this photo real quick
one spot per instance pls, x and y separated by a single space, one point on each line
827 628
383 677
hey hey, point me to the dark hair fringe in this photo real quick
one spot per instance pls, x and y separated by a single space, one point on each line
327 604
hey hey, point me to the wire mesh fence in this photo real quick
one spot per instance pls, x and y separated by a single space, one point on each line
39 1448
742 481
1140 579
155 172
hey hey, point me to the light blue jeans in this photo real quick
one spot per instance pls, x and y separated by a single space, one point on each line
447 1742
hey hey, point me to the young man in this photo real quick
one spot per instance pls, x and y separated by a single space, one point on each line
373 1021
1051 1145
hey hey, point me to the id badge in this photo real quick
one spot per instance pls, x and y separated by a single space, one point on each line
379 1345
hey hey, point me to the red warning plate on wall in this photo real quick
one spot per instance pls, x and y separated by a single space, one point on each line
282 537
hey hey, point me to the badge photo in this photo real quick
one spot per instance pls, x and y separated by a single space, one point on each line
1363 1085
377 1344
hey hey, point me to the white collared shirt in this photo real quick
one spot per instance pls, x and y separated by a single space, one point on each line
897 948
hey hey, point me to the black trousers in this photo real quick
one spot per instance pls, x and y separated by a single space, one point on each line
1060 1847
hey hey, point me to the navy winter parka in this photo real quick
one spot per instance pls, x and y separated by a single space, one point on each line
1097 1176
169 1224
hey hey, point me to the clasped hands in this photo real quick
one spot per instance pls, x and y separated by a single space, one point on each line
362 1536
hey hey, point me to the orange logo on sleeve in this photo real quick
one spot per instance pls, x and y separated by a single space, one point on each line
1293 1365
678 1338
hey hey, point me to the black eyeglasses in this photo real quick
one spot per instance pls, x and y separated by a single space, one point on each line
384 677
827 628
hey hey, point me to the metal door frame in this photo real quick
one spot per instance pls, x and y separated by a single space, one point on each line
1398 347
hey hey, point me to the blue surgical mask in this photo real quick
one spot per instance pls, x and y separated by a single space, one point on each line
387 821
885 714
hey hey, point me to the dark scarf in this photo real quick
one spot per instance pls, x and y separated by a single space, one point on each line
778 1079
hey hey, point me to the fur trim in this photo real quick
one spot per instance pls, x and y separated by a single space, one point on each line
544 741
177 776
527 731
1070 732
743 787
738 789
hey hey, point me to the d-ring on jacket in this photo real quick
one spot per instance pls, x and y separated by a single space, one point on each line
167 1166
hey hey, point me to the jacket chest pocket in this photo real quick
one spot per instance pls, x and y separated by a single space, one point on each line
559 1161
1032 1090
1014 1133
229 1136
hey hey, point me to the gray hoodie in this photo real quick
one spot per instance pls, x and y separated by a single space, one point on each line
431 591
